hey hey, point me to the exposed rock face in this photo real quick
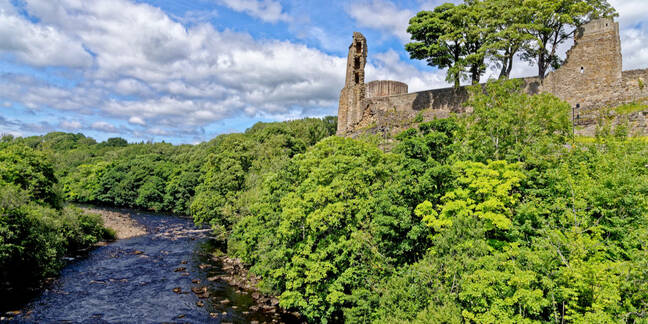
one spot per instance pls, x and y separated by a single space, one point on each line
590 79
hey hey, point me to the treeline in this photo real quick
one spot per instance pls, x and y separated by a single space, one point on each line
497 216
465 38
36 229
204 180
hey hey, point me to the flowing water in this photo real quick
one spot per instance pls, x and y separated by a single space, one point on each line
146 279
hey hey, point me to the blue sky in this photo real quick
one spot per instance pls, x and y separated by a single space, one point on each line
186 71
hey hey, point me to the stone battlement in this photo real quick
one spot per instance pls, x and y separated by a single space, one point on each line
590 78
383 88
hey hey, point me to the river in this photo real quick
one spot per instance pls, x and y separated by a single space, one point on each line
147 279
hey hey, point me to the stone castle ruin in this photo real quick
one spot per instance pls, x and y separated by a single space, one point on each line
590 80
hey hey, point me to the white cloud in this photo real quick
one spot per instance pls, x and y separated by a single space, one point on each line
635 51
196 17
267 10
104 127
70 125
36 94
175 75
39 45
137 121
382 15
631 12
634 32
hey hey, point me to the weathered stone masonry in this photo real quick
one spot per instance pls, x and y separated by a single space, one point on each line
590 79
354 88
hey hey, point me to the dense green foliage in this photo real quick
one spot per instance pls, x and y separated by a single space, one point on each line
460 38
36 230
493 217
497 216
207 180
332 221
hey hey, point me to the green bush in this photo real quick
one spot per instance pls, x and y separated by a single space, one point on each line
36 231
31 171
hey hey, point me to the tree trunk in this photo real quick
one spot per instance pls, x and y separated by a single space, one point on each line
475 74
503 74
510 67
507 64
542 66
507 67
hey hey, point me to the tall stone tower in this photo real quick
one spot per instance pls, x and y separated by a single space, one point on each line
592 73
349 110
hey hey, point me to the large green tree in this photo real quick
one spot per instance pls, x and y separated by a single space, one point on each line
506 22
450 37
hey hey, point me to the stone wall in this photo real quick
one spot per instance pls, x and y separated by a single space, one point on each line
382 88
394 113
635 85
591 78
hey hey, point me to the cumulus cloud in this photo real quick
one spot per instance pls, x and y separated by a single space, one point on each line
7 122
165 73
634 32
70 125
39 45
631 12
137 121
382 15
635 52
266 10
192 17
104 127
37 94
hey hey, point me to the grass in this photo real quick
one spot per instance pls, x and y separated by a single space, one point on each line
639 105
591 140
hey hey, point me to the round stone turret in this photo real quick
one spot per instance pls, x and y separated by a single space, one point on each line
383 88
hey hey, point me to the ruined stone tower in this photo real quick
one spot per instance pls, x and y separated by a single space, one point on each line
592 73
349 111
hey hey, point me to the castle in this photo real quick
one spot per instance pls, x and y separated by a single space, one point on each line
591 78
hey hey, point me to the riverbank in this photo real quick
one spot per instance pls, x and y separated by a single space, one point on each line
120 222
237 275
